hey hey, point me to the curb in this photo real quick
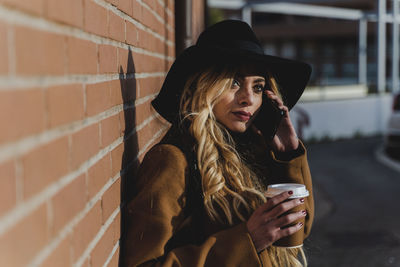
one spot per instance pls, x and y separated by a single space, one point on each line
384 159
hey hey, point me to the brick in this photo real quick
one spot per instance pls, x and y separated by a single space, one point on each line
114 260
117 228
116 159
130 152
108 59
25 239
95 18
65 104
85 231
44 165
149 86
132 35
129 90
160 9
123 55
151 3
122 122
85 144
137 10
3 49
149 20
32 6
68 202
144 40
102 249
127 119
171 51
171 5
147 132
98 175
86 263
66 11
113 2
116 27
97 98
38 52
77 51
8 189
110 130
23 112
147 63
143 112
125 6
115 93
111 199
171 35
61 255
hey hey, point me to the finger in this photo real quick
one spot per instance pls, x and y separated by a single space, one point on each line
289 230
288 219
274 97
272 202
276 200
284 207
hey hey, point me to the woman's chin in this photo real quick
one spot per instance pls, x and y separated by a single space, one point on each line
237 127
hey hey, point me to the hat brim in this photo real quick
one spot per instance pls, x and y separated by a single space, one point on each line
292 75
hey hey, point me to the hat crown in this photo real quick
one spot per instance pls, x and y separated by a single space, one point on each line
229 34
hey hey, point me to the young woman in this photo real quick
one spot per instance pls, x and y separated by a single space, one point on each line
200 198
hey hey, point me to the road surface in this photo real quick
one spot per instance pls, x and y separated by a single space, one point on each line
357 206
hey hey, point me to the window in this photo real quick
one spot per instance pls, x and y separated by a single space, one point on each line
270 49
288 50
350 69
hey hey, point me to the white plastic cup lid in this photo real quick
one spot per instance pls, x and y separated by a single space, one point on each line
299 190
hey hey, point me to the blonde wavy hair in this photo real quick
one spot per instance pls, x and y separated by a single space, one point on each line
229 185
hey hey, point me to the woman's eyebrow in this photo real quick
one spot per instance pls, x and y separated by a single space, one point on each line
259 80
241 77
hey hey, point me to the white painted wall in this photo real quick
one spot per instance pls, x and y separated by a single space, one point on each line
342 118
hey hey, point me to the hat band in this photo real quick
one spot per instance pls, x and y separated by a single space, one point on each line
246 45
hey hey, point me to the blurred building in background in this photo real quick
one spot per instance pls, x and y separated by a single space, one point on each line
349 45
330 45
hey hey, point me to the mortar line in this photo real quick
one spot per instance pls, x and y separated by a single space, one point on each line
116 246
24 209
135 22
12 82
45 252
22 146
97 238
16 17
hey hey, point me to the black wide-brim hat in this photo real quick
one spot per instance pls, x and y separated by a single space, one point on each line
228 42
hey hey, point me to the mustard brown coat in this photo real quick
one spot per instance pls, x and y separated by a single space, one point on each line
156 214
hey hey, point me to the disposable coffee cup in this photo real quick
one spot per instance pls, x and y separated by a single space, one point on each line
299 191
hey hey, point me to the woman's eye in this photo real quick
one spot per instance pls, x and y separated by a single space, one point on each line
235 83
259 88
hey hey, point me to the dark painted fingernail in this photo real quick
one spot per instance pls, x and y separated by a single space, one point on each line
301 200
304 212
290 192
300 224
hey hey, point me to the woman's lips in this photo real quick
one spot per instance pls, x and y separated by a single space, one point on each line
242 115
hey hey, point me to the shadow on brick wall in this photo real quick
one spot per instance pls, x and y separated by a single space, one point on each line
130 161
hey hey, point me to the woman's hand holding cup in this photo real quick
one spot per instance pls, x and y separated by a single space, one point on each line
271 221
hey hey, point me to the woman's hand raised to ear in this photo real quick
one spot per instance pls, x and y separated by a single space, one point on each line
266 223
285 138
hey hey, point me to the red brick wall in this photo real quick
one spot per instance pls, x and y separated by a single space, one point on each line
76 80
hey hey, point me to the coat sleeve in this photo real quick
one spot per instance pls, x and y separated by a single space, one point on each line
155 214
295 170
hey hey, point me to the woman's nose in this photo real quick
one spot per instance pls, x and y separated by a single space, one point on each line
245 95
